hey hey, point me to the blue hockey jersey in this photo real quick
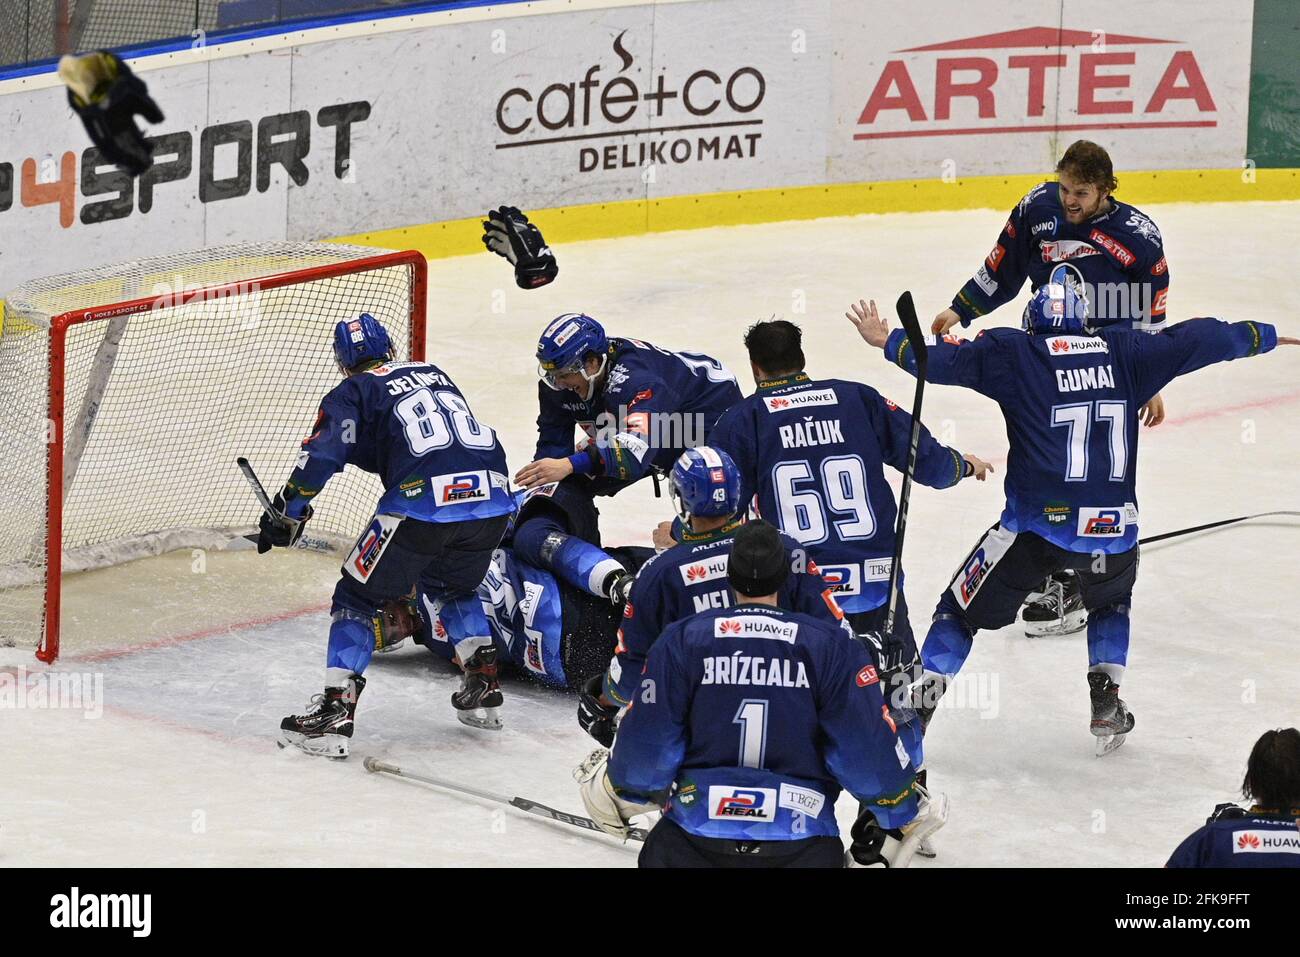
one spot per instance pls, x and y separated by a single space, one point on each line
655 405
409 424
1070 404
750 720
1235 837
1119 254
813 453
525 614
689 578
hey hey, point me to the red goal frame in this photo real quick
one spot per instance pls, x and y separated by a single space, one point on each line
48 650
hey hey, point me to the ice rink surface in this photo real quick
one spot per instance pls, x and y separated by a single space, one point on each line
179 766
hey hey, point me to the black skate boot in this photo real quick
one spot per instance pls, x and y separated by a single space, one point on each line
1111 719
478 702
326 729
1058 609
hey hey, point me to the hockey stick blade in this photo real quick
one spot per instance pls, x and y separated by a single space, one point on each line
521 803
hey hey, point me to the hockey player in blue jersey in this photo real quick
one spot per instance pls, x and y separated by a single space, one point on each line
744 727
640 406
1117 260
689 578
1067 395
445 506
812 452
1267 835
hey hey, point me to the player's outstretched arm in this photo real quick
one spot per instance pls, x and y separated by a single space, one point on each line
1196 343
998 278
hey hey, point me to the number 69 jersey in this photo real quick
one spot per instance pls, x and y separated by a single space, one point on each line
409 424
1071 406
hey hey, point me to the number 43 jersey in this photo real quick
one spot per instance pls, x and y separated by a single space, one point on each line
409 424
1071 407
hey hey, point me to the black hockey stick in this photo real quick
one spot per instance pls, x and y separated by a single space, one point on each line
1201 528
916 341
523 804
262 497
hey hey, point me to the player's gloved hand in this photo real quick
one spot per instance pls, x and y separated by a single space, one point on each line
279 530
595 717
897 667
610 811
868 839
107 96
507 232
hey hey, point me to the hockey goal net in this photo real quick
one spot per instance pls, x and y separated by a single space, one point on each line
128 391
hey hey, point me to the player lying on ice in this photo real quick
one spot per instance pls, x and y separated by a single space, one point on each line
445 506
745 724
690 577
1068 394
553 619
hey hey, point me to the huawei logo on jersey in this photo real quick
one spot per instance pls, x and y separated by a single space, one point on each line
1248 840
695 573
1060 345
778 404
729 627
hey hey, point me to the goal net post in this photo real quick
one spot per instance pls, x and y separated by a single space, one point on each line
128 391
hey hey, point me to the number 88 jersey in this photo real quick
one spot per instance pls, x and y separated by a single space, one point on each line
408 423
812 456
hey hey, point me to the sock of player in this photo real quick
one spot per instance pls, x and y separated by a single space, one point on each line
947 644
352 642
466 624
1108 641
543 542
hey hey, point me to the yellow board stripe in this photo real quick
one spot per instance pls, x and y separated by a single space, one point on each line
567 224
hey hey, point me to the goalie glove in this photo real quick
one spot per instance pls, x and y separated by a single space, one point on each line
278 529
107 96
595 718
874 846
610 812
508 233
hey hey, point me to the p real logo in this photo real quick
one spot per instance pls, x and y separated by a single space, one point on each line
77 910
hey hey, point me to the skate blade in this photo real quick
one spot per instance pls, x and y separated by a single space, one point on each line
926 849
318 746
485 719
1108 743
1074 622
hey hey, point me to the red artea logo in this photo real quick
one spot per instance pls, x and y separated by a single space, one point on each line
1100 76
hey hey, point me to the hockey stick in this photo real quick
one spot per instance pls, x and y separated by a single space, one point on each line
523 804
907 316
256 484
1201 528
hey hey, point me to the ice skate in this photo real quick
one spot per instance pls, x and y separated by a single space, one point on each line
1111 719
1058 610
478 702
326 728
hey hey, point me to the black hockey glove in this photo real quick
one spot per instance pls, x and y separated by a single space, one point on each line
507 232
868 839
107 96
896 666
595 718
279 530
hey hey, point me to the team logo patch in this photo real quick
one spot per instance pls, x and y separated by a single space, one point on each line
370 546
1101 522
801 400
1058 513
1075 345
843 579
746 804
801 800
972 575
867 676
456 488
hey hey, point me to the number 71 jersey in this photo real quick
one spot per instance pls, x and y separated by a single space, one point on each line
408 423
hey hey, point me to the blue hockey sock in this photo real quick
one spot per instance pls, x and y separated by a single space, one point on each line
947 644
352 642
466 624
1108 641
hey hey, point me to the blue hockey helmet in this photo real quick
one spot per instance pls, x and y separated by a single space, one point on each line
1060 306
705 482
360 340
565 345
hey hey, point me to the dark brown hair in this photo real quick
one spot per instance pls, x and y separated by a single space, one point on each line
1273 772
1089 163
775 346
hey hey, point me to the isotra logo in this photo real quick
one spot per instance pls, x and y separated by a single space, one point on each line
710 106
1002 83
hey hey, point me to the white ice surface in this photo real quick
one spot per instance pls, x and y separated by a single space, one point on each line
181 766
